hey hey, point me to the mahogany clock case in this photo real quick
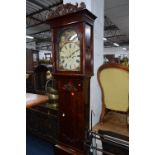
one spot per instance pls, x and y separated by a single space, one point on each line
73 83
82 23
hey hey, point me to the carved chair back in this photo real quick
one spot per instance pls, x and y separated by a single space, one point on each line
114 83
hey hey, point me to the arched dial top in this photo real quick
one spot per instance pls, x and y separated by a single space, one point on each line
69 51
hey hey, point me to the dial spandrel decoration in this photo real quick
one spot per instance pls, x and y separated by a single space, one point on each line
69 51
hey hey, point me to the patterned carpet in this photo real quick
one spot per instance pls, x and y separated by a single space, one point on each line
37 146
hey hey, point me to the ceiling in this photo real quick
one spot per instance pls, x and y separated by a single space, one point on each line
116 28
117 21
36 16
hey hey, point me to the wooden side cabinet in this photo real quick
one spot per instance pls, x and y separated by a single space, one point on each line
42 121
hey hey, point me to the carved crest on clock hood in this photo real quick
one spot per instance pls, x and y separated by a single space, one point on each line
65 9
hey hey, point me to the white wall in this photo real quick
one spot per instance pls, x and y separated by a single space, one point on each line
97 7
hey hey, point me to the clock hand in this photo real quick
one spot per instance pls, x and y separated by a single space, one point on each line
74 52
74 56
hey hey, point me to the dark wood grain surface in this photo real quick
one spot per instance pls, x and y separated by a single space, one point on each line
35 99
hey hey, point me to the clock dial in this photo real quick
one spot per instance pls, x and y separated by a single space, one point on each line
69 51
70 57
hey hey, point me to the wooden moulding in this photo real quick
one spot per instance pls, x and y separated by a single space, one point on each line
65 9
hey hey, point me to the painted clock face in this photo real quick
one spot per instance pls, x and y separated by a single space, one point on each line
69 51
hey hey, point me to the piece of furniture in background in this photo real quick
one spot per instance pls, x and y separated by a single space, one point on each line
45 58
29 60
41 117
30 82
35 58
114 83
111 59
40 78
36 80
48 57
32 59
42 121
36 71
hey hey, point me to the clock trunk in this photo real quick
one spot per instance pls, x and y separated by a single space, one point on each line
73 110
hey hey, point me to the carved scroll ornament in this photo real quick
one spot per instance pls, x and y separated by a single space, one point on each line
65 9
69 87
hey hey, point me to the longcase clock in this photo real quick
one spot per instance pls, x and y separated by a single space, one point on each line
72 47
